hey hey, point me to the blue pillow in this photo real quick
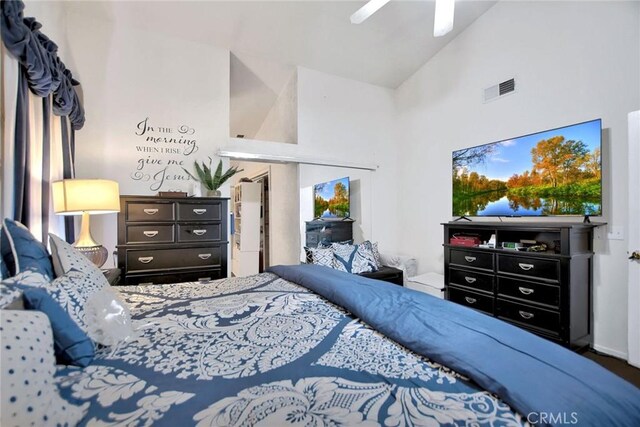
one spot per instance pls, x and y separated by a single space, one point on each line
4 271
26 251
71 345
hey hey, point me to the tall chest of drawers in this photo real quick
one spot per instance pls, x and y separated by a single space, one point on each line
547 293
172 240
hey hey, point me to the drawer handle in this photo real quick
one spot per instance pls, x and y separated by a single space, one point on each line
470 258
204 279
145 283
525 267
470 300
525 314
145 259
204 256
526 291
150 233
470 279
199 232
150 211
199 211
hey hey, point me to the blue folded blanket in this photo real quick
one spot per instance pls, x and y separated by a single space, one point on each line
543 381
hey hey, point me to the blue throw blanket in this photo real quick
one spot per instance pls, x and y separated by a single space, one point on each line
545 382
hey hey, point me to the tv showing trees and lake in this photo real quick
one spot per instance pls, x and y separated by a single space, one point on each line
554 172
331 199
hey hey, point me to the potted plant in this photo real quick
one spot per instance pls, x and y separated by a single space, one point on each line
212 181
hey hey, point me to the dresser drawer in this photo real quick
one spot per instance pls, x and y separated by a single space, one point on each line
471 279
199 232
202 276
471 299
532 267
529 291
528 315
200 211
151 233
149 211
155 259
473 259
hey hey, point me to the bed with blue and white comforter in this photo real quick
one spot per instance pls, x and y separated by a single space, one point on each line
262 350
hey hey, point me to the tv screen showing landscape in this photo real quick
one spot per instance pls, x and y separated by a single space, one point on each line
331 199
555 172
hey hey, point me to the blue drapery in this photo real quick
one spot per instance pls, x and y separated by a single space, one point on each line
46 76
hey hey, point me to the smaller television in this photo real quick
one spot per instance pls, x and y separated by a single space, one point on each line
331 199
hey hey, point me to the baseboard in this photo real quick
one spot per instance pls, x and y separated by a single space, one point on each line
610 352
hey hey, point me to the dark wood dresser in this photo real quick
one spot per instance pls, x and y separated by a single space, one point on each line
172 240
326 232
547 293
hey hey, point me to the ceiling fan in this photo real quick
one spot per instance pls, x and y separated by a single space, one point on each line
443 22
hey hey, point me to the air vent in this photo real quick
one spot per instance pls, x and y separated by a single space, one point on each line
501 89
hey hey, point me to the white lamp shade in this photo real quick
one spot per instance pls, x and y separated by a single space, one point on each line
75 196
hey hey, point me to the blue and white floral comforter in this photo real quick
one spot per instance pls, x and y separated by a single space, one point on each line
263 351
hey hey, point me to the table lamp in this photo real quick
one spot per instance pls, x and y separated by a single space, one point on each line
87 197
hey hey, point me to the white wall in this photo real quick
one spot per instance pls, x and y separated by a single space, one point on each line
352 121
573 61
281 123
129 75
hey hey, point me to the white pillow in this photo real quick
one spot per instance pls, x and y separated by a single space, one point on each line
29 395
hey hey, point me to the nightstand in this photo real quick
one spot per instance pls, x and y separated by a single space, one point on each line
112 275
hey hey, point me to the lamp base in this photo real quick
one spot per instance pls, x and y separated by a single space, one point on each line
97 254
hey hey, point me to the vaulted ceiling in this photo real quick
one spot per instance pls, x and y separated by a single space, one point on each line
385 50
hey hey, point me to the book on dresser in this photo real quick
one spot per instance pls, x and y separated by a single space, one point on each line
538 276
172 239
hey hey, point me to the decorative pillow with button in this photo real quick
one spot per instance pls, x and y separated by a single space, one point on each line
11 288
353 258
26 253
29 395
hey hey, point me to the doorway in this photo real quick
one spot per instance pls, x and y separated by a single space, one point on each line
263 180
634 240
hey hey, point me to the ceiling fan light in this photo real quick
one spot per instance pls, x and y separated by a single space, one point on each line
443 22
367 10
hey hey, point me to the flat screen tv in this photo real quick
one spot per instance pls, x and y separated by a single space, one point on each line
554 172
331 199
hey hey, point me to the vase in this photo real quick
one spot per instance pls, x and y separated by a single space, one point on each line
213 193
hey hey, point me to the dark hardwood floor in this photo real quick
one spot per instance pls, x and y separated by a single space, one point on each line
617 366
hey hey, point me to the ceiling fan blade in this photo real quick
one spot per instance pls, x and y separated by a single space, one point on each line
367 10
443 22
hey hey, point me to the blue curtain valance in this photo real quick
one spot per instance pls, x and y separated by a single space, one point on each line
45 73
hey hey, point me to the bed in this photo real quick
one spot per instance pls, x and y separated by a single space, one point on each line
280 349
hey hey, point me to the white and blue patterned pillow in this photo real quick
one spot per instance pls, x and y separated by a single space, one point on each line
29 394
12 287
87 296
353 258
376 253
65 259
321 256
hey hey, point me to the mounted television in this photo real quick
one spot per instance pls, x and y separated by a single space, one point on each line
331 199
555 172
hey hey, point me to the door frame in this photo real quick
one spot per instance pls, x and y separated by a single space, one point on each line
633 331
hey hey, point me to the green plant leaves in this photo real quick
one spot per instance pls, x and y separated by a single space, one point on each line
212 181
